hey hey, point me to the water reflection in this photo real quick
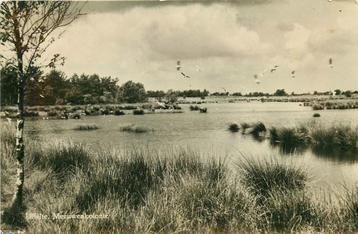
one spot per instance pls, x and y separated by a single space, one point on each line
336 155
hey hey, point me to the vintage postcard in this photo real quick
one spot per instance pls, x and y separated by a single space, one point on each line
179 116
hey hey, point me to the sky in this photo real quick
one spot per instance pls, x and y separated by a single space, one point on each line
221 44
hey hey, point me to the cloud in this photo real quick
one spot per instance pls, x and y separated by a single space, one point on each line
190 35
121 6
297 38
167 33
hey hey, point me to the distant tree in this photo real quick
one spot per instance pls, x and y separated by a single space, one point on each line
280 92
337 92
237 94
347 93
132 92
257 94
171 96
220 94
156 94
8 85
34 89
26 31
91 89
54 87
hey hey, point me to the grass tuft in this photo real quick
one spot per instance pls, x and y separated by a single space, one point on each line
335 138
138 112
62 158
86 127
262 178
289 140
135 129
233 127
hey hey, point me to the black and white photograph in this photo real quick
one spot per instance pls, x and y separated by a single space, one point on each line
179 116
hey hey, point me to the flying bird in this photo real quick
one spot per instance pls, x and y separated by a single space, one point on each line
274 68
293 74
185 76
178 65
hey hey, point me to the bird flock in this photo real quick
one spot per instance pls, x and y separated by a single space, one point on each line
273 69
259 75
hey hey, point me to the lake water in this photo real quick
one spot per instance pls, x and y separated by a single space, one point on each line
208 135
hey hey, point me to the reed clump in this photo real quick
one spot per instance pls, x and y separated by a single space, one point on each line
86 127
262 178
340 137
132 128
233 127
290 139
334 139
138 112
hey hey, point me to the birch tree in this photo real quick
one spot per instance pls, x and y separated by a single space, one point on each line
28 28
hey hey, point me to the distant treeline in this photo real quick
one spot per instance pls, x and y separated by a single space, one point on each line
185 93
55 88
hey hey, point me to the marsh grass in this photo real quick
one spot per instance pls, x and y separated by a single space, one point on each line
349 209
8 160
291 210
132 128
289 140
86 127
128 180
336 140
144 190
257 130
63 158
339 138
194 108
263 177
118 112
233 127
244 127
138 112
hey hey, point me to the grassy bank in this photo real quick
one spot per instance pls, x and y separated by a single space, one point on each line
140 190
